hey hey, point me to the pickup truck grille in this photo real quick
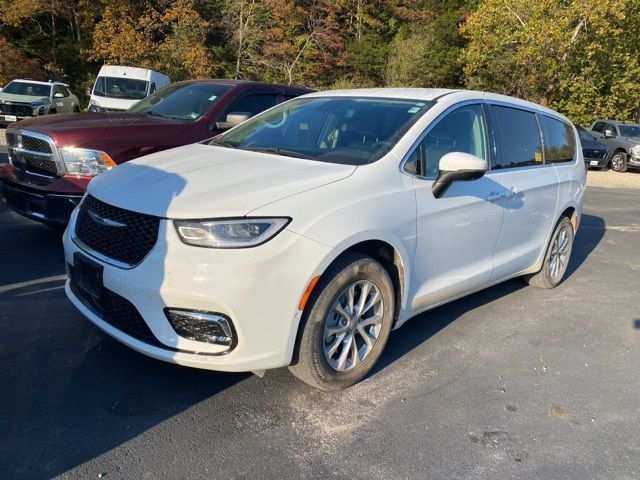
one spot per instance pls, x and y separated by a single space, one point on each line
117 234
593 153
33 153
16 109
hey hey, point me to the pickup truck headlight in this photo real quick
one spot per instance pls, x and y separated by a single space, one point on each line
635 150
230 233
84 161
38 110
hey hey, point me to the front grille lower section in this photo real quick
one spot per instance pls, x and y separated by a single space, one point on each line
117 311
591 153
33 154
16 109
121 235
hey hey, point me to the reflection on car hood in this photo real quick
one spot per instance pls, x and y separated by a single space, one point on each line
12 97
202 181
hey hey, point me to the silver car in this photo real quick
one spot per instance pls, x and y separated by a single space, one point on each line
21 99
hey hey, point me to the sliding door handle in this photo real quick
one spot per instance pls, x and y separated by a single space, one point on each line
494 197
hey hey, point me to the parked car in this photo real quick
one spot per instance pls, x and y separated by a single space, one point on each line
53 159
622 140
117 87
303 236
594 152
21 99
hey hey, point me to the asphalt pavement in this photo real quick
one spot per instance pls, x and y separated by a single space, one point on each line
510 383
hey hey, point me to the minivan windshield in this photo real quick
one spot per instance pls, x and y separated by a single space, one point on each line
629 130
27 88
119 87
185 101
349 130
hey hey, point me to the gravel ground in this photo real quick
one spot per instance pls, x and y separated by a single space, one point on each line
611 179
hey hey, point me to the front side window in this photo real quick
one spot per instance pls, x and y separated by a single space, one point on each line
598 127
26 88
184 101
559 140
462 130
348 130
519 142
120 87
252 104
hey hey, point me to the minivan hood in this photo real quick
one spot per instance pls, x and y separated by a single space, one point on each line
30 99
202 181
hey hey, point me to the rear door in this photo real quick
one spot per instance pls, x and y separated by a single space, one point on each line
530 190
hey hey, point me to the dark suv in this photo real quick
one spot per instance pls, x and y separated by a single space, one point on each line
53 158
622 140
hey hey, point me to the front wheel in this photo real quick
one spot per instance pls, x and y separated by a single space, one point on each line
346 324
619 162
557 257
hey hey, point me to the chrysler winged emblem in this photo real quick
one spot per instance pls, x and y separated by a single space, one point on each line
107 222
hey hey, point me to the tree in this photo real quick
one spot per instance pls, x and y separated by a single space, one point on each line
575 55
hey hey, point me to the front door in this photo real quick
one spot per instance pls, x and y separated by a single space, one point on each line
456 233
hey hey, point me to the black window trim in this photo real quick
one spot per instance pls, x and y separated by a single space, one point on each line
416 144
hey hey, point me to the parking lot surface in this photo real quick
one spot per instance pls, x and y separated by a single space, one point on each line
512 382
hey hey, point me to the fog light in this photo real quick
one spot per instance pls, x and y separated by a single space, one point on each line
208 327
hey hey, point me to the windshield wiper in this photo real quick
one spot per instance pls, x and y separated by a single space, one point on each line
221 143
276 151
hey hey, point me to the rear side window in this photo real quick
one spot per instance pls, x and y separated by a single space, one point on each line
559 140
519 142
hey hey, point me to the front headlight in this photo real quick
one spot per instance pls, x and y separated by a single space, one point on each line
236 233
84 161
38 110
635 150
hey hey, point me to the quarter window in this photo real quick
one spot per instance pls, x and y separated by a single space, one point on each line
462 130
519 142
559 140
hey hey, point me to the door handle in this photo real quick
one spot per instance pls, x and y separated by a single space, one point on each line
494 197
509 193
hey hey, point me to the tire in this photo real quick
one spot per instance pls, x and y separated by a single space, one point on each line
619 162
546 278
53 111
326 357
76 109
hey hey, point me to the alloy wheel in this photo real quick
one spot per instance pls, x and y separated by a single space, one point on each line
559 256
353 325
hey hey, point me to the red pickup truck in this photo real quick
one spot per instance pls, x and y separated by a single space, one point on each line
53 158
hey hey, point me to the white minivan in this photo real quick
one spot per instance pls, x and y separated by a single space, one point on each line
119 87
303 236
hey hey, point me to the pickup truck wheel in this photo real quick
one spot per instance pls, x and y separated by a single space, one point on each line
557 257
346 324
53 111
619 162
76 109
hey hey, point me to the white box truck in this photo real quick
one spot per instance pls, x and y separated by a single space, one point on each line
119 87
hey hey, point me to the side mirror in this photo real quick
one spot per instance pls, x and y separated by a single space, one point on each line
457 166
608 133
58 95
233 119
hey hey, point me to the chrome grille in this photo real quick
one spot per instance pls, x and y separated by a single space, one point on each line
33 153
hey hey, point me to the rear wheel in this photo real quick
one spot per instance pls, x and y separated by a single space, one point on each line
619 162
557 257
346 324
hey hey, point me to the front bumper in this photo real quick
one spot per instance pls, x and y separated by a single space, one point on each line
596 162
258 289
52 209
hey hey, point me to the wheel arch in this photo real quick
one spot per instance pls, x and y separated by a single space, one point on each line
390 257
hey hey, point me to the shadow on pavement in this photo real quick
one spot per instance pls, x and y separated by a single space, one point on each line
422 327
